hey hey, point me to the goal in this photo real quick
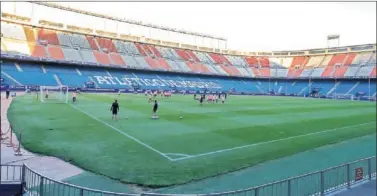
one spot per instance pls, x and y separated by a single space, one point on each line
342 96
54 94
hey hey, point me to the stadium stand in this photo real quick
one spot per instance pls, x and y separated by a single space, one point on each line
97 51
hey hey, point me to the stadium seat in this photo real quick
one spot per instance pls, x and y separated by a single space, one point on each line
183 54
193 55
72 55
105 43
337 59
264 72
37 51
282 73
152 63
255 71
129 60
373 72
49 36
183 66
101 57
16 47
163 64
79 41
140 49
55 52
116 59
174 66
147 49
203 58
141 62
13 31
155 51
30 34
88 56
252 61
340 71
92 42
365 70
198 67
305 73
264 62
317 72
219 59
65 40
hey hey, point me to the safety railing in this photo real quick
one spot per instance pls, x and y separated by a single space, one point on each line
11 173
315 183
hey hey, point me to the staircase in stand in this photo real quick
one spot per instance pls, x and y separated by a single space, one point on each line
11 78
353 87
333 89
57 79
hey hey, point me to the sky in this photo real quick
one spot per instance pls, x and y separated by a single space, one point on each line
255 26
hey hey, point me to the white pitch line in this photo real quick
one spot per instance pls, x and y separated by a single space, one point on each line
267 142
125 134
178 154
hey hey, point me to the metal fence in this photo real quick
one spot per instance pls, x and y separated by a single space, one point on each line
311 184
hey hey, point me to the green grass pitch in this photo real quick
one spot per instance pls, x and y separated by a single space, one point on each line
208 141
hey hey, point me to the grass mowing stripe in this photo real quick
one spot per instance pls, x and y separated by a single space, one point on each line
121 132
267 142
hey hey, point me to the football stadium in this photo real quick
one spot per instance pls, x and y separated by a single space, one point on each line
114 108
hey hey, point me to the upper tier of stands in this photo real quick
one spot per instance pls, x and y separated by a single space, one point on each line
50 44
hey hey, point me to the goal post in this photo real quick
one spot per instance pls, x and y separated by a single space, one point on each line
343 96
53 94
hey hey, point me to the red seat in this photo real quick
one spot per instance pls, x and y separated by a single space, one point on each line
163 64
106 43
193 55
264 72
156 52
49 36
264 62
140 49
56 52
328 71
183 54
147 49
340 71
37 51
255 71
291 72
373 73
101 57
117 59
92 42
152 63
252 61
350 58
298 72
337 59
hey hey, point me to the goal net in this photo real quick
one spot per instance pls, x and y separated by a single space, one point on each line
342 96
53 94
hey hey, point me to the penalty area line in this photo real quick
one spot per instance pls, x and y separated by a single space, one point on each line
121 132
267 142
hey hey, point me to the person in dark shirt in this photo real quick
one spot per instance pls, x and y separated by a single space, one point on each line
201 100
155 108
115 109
7 92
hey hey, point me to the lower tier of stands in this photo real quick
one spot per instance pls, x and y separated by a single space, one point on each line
35 74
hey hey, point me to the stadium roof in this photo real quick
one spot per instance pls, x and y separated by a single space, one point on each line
67 8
